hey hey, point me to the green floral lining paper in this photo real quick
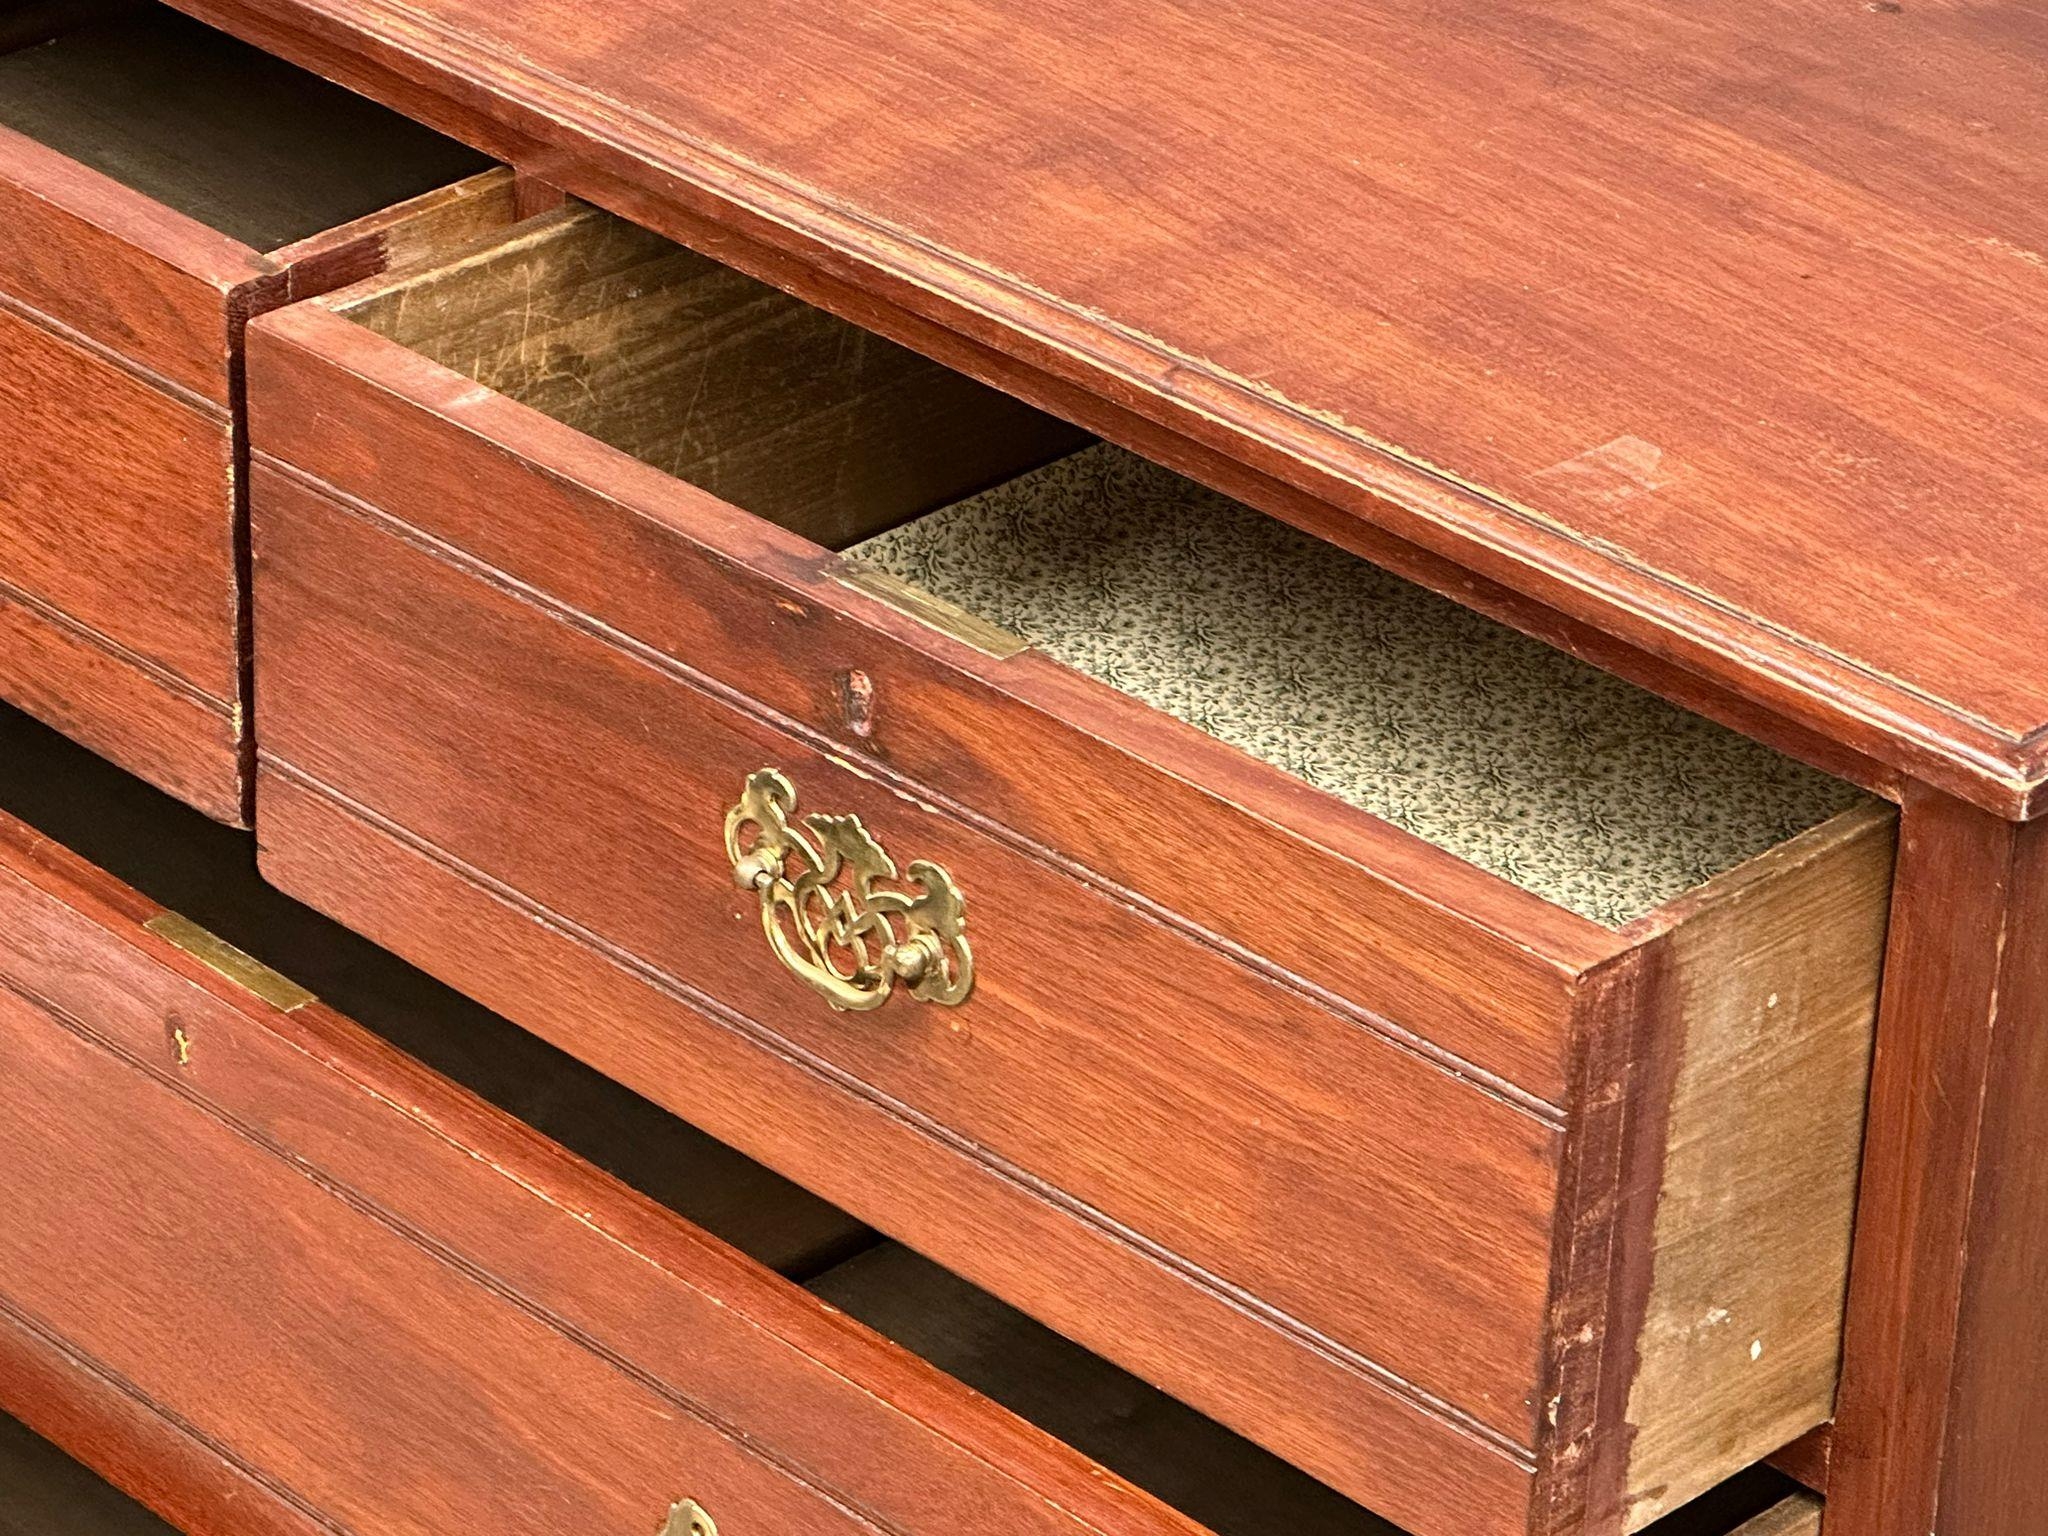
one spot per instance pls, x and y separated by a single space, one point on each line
1581 788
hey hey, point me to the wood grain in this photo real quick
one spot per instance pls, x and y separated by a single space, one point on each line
1806 1459
119 502
1947 1326
718 380
138 716
1641 313
1107 1054
120 343
1776 972
416 1288
1795 1517
147 284
1467 962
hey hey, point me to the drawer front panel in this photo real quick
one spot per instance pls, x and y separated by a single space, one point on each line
118 269
183 742
119 1240
120 332
119 506
1237 1123
117 577
1010 1234
395 1309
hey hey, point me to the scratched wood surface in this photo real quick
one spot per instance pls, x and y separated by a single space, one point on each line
1719 327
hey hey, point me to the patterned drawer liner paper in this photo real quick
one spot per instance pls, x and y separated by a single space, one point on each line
1581 788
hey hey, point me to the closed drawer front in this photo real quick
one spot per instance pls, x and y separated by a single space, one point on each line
269 1274
159 183
1422 1174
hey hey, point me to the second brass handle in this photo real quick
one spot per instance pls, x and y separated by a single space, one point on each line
834 909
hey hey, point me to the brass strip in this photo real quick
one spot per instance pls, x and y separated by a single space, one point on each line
916 603
218 955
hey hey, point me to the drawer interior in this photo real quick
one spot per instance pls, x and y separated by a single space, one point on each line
261 151
184 861
1585 790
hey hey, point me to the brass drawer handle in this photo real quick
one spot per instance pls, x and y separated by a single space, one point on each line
825 918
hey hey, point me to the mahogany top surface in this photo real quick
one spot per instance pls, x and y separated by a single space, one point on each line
1723 324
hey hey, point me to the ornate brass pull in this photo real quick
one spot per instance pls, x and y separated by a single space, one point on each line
824 915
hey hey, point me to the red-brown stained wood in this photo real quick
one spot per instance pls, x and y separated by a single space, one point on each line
1806 1459
122 708
120 337
1938 1426
104 261
1236 1122
440 730
119 505
1474 965
279 1243
1014 1236
1718 331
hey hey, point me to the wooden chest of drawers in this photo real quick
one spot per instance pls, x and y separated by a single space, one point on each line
1128 1015
159 184
1203 1028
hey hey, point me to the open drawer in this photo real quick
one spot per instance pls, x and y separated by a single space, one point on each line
159 183
1509 1199
270 1274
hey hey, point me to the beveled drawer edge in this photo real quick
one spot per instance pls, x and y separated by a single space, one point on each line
155 671
81 1405
141 372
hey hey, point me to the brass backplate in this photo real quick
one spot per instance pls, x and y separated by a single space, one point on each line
221 957
927 608
834 909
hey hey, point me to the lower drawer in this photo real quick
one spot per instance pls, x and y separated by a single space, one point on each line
270 1274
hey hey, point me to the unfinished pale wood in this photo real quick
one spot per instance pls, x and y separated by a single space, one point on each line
1797 1516
1776 970
713 377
